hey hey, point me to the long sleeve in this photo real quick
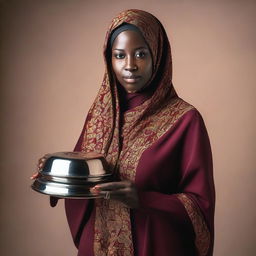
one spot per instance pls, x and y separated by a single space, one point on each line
181 186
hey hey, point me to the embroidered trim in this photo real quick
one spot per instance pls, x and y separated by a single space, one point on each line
112 224
100 115
140 138
112 229
202 240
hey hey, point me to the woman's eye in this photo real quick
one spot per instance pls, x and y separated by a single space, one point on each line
119 55
140 54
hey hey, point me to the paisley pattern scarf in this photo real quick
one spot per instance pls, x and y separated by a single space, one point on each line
102 132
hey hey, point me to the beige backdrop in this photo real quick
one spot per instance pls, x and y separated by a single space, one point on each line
51 69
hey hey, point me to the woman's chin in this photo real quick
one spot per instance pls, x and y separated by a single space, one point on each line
131 89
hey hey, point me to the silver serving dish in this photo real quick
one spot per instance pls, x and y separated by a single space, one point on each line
72 174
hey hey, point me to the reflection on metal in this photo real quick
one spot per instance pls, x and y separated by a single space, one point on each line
60 167
56 190
71 175
96 166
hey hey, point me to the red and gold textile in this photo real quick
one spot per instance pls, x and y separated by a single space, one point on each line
147 131
102 129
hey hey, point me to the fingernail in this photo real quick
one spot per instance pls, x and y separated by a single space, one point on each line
94 191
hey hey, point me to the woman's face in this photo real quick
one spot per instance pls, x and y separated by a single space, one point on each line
131 61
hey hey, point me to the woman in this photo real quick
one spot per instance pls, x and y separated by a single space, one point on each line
162 202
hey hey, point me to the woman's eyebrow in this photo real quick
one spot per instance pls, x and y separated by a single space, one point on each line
138 48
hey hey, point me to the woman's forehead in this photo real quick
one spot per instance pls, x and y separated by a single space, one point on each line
129 38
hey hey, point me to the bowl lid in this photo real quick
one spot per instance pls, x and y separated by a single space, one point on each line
75 165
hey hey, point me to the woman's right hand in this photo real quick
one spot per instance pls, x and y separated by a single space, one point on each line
40 166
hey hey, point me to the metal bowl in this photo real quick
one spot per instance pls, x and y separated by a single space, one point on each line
72 174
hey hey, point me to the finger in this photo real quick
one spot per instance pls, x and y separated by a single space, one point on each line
109 195
41 163
117 194
126 196
92 155
112 185
94 191
42 160
53 201
40 167
34 176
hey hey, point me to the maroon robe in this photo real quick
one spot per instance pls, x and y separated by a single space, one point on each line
164 149
179 162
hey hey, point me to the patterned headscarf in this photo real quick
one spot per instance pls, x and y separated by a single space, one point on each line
102 129
103 118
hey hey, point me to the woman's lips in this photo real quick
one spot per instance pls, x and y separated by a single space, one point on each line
131 79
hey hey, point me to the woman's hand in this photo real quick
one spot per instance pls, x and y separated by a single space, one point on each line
123 191
40 166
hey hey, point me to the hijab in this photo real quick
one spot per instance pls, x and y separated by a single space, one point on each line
103 120
102 132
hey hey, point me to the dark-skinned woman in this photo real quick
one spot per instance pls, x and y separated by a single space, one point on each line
162 202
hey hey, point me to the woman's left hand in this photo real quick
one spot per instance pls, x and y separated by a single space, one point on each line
123 191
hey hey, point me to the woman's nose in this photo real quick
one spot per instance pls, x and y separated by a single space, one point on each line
131 64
